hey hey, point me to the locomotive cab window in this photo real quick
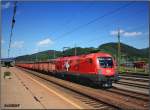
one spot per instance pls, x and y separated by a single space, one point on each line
105 62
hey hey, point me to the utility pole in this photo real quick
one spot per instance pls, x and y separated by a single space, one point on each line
36 57
54 53
118 50
12 27
75 50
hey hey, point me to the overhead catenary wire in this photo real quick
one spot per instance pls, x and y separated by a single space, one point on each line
71 20
131 29
94 20
12 26
109 24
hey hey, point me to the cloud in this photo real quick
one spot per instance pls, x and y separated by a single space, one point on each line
116 32
17 44
45 42
6 5
132 33
36 50
125 33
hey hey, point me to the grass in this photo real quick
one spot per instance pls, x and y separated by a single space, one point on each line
7 73
133 70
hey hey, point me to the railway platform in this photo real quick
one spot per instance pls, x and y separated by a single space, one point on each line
21 91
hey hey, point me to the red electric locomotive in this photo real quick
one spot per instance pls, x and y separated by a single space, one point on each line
99 68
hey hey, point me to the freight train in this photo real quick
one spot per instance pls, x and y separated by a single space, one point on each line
99 68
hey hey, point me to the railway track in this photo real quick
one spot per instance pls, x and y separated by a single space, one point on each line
129 93
134 75
134 80
92 103
133 84
113 98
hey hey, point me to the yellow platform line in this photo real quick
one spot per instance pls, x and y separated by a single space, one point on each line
62 97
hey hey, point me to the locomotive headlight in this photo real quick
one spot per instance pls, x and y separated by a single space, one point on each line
108 71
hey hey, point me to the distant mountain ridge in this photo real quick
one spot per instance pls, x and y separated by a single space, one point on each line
126 51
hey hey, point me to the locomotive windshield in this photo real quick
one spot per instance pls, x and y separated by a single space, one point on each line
105 62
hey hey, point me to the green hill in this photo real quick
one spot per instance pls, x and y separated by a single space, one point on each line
127 52
40 56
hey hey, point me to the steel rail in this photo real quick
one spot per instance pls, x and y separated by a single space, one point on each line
129 93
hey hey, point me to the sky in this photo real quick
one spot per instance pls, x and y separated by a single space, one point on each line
53 25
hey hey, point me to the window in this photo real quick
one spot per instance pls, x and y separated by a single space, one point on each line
105 62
